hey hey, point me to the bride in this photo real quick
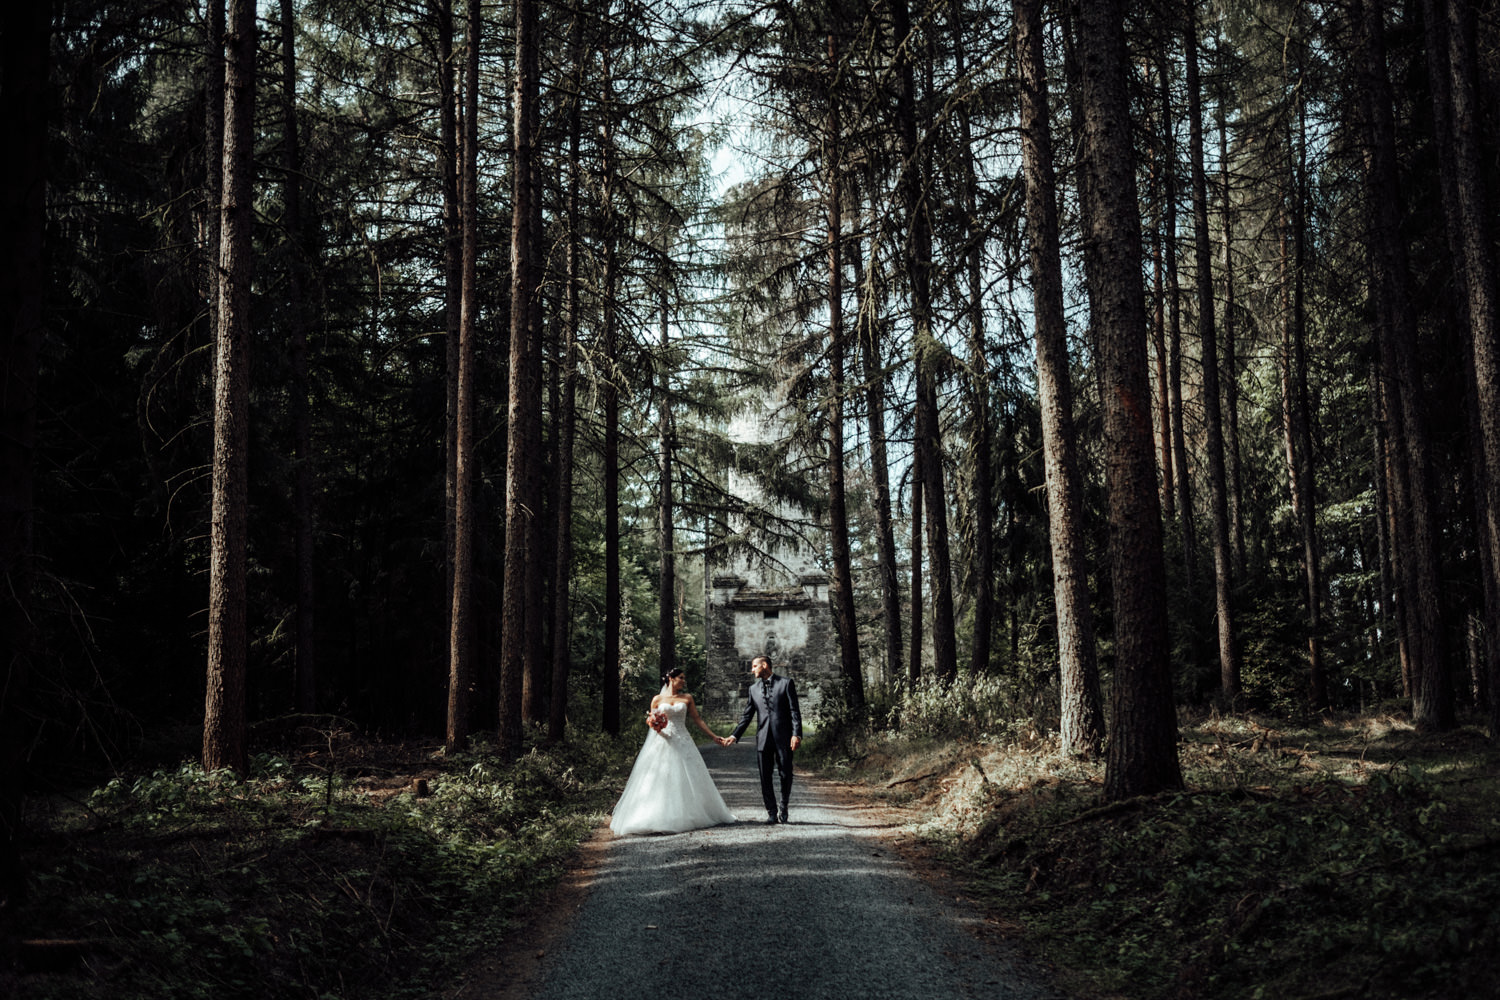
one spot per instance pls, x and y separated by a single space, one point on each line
669 789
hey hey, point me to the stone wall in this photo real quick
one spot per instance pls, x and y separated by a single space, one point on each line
792 625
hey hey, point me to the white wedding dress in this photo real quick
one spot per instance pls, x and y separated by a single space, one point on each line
669 789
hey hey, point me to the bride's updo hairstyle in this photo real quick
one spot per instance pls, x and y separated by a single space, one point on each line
666 681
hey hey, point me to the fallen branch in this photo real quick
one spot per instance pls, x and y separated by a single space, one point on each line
1109 809
1126 805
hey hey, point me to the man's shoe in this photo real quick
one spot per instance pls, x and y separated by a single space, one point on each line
782 818
771 818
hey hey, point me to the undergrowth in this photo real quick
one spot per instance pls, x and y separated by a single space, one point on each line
1349 859
363 870
1354 858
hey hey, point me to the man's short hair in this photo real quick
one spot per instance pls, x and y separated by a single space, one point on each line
760 659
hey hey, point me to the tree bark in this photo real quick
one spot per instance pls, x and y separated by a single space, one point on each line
1232 465
1297 413
1142 754
667 589
521 611
918 608
1159 343
568 406
1082 715
1413 493
453 270
213 158
1481 284
1295 420
918 253
1187 523
1390 610
980 420
305 694
609 390
224 703
850 671
880 474
1218 491
1391 488
461 670
25 57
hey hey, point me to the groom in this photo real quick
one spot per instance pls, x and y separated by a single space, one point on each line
778 731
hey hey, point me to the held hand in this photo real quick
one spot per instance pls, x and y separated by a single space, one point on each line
729 741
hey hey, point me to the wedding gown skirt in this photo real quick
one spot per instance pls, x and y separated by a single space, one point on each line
669 789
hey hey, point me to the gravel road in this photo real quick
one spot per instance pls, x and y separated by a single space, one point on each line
817 909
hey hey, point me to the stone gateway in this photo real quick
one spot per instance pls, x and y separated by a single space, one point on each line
790 624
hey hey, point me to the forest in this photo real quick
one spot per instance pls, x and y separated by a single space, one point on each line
373 360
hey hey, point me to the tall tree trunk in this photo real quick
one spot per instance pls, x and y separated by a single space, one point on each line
1444 74
1187 523
1142 754
1477 231
1413 494
568 405
461 670
549 376
667 590
1391 489
1232 464
302 492
610 390
521 611
453 270
1297 413
1159 342
850 671
982 434
534 447
1390 609
25 47
928 444
224 703
1229 662
213 157
918 608
1082 714
880 470
1295 419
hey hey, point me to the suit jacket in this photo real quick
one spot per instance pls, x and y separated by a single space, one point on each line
780 717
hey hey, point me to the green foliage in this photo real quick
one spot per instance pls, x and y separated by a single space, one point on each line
972 705
317 878
1354 858
1254 894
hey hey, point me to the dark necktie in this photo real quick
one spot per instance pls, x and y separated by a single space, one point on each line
765 692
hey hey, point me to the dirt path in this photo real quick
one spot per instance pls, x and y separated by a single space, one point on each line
822 908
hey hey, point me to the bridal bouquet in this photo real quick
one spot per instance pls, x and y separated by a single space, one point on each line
656 719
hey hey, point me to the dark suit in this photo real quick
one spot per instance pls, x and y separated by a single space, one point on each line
779 720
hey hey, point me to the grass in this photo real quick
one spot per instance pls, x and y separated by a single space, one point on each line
341 868
1346 858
